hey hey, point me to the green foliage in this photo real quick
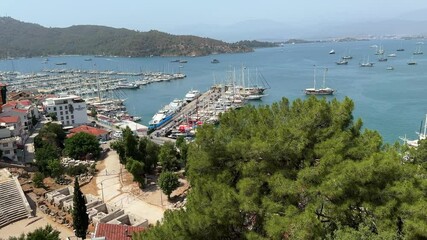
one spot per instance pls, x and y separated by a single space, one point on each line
137 170
168 182
168 157
131 143
53 116
81 144
44 155
38 179
257 44
34 120
93 112
420 155
25 39
55 168
50 133
120 147
300 170
46 233
182 146
76 170
79 213
148 151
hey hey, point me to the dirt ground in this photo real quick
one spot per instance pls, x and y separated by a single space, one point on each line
113 184
91 187
30 224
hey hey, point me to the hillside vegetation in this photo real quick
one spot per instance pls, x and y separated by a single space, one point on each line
20 39
299 170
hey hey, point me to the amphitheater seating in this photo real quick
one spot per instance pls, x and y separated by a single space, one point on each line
12 204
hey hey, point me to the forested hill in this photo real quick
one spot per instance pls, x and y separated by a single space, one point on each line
26 39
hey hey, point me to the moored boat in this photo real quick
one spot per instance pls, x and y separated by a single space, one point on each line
191 95
319 91
342 62
422 135
126 85
367 64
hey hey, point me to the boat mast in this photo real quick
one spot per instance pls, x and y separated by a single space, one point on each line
314 77
324 77
425 127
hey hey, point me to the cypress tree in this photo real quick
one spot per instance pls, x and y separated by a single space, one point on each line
80 216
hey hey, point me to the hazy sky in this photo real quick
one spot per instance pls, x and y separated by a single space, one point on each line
165 15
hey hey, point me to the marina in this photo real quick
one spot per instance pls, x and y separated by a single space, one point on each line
376 91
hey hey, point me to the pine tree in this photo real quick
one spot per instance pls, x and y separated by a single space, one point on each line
80 216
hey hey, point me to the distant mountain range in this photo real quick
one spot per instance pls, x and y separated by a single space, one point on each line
26 39
410 24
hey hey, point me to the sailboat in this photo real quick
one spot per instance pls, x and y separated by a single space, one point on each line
418 51
421 135
367 64
412 62
320 91
379 51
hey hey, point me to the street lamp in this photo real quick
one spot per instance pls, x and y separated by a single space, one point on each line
102 192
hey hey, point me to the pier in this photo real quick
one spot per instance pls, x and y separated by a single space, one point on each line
204 109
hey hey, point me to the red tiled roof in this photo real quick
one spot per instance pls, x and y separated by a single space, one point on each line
87 129
9 119
116 232
25 102
9 104
19 110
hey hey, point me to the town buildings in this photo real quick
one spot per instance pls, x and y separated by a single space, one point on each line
69 110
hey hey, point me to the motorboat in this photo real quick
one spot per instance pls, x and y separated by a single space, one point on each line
191 95
342 62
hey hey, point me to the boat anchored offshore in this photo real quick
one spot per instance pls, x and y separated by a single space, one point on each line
332 51
367 64
342 62
319 91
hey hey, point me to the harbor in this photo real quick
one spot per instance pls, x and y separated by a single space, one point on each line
375 91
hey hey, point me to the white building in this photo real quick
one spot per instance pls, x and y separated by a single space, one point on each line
70 110
8 143
137 129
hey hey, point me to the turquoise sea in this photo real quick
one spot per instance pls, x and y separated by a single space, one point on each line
391 101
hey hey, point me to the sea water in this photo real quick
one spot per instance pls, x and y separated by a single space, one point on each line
392 102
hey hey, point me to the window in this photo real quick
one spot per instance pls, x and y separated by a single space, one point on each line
72 121
54 108
48 108
60 113
72 116
65 107
66 117
7 152
66 112
62 118
60 107
68 122
5 144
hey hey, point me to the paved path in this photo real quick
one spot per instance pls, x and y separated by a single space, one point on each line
112 191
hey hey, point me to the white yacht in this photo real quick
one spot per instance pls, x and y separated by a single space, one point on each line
191 95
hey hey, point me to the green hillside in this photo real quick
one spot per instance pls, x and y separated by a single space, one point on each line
20 39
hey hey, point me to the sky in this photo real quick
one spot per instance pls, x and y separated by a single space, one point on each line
172 15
